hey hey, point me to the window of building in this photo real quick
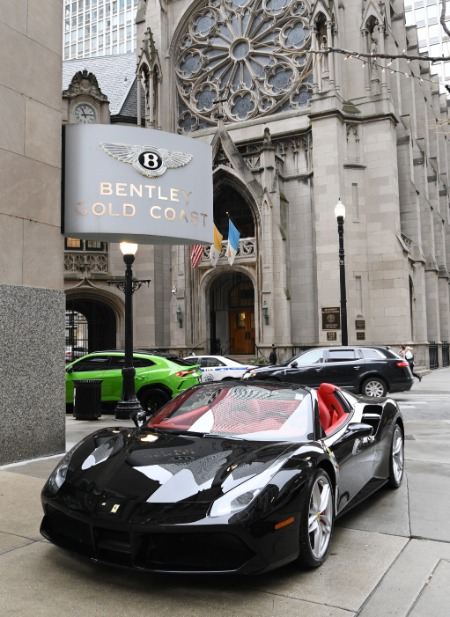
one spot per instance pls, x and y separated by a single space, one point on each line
409 18
420 17
248 58
76 244
433 12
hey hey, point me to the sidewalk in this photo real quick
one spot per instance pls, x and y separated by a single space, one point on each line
390 556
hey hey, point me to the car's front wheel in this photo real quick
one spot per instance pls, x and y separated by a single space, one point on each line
152 399
374 387
397 458
316 520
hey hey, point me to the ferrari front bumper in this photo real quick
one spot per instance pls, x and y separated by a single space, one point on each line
193 548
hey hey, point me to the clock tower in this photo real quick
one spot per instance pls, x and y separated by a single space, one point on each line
84 102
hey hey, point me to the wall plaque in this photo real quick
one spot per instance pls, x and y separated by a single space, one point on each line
331 318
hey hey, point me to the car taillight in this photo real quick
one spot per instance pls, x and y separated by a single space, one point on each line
402 364
186 373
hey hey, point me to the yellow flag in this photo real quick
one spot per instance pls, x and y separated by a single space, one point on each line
216 247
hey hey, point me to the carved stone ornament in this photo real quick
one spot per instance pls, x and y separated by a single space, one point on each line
84 82
245 59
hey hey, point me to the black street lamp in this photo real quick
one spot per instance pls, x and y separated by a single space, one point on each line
339 212
129 403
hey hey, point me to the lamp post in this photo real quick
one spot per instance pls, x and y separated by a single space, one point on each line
339 212
129 402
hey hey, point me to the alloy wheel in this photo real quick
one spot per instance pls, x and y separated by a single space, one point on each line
320 519
397 463
374 388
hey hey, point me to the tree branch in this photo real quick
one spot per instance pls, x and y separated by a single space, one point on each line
443 17
358 54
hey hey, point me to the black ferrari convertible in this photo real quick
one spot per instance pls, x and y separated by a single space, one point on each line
235 477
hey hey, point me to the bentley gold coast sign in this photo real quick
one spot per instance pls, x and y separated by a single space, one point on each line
129 183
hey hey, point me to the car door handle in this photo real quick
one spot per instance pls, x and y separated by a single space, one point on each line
356 368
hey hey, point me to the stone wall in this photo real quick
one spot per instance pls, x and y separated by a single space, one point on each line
32 363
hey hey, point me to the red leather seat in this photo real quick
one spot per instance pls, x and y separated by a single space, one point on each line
324 412
330 408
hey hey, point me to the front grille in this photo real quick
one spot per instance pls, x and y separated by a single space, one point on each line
186 552
191 552
69 533
170 514
113 547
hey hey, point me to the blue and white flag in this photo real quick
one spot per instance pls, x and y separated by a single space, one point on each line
233 242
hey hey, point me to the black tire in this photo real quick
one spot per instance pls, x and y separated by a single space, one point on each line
152 399
316 520
396 458
374 387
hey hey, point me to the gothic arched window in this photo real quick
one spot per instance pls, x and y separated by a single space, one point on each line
251 54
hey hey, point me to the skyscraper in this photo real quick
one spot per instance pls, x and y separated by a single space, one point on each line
425 14
99 27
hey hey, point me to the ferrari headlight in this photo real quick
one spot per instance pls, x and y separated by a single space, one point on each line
58 476
241 496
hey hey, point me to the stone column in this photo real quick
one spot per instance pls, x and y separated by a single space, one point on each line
367 67
419 308
331 57
151 118
316 60
432 291
273 257
444 303
381 41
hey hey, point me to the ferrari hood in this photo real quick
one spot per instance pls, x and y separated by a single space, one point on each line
167 468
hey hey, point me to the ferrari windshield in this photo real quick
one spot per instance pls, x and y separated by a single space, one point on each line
245 411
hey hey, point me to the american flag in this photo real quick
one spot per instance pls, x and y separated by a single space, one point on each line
196 254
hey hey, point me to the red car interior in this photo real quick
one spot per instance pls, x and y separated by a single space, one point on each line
257 415
331 410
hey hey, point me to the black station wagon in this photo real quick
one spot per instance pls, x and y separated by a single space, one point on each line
370 371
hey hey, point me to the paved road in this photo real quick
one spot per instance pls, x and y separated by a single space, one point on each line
389 557
427 400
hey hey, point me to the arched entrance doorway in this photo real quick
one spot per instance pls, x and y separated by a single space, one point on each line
232 315
90 324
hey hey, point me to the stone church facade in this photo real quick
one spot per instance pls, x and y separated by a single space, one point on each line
293 130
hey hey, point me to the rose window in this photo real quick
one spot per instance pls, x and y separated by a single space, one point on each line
244 59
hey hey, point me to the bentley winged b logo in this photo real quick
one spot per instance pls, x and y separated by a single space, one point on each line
147 160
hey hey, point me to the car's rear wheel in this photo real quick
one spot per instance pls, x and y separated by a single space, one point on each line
374 387
397 458
152 399
316 520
